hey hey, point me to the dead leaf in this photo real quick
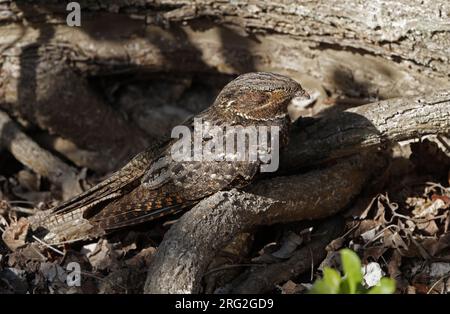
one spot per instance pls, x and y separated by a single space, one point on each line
435 245
444 198
431 210
102 256
16 233
365 226
373 252
372 274
429 227
291 287
394 265
369 235
394 240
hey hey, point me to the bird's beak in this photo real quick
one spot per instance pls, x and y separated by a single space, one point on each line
300 101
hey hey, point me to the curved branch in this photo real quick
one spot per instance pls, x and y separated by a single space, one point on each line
30 154
193 241
340 134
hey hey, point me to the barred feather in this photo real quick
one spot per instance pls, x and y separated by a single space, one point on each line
138 206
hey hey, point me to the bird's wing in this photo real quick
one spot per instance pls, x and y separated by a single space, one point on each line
192 183
113 186
169 186
138 206
197 178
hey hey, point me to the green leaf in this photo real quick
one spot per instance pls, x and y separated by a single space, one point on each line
332 278
329 284
351 265
320 287
386 286
333 283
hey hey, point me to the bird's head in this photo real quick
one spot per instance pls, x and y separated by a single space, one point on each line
260 96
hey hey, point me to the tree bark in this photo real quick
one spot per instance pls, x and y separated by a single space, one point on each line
366 127
369 51
42 162
189 246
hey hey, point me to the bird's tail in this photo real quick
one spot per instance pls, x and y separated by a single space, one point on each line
140 205
112 187
59 228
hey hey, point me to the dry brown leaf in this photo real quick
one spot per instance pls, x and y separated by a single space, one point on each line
364 227
291 287
394 265
142 259
394 240
444 198
373 253
102 256
429 227
16 233
430 210
435 245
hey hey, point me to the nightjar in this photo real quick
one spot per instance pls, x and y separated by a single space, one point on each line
154 183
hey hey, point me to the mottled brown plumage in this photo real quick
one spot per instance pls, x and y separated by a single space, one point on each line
153 184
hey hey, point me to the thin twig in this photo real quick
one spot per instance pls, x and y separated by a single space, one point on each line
435 284
48 245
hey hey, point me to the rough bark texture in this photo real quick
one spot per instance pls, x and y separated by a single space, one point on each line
189 246
344 133
365 49
42 162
